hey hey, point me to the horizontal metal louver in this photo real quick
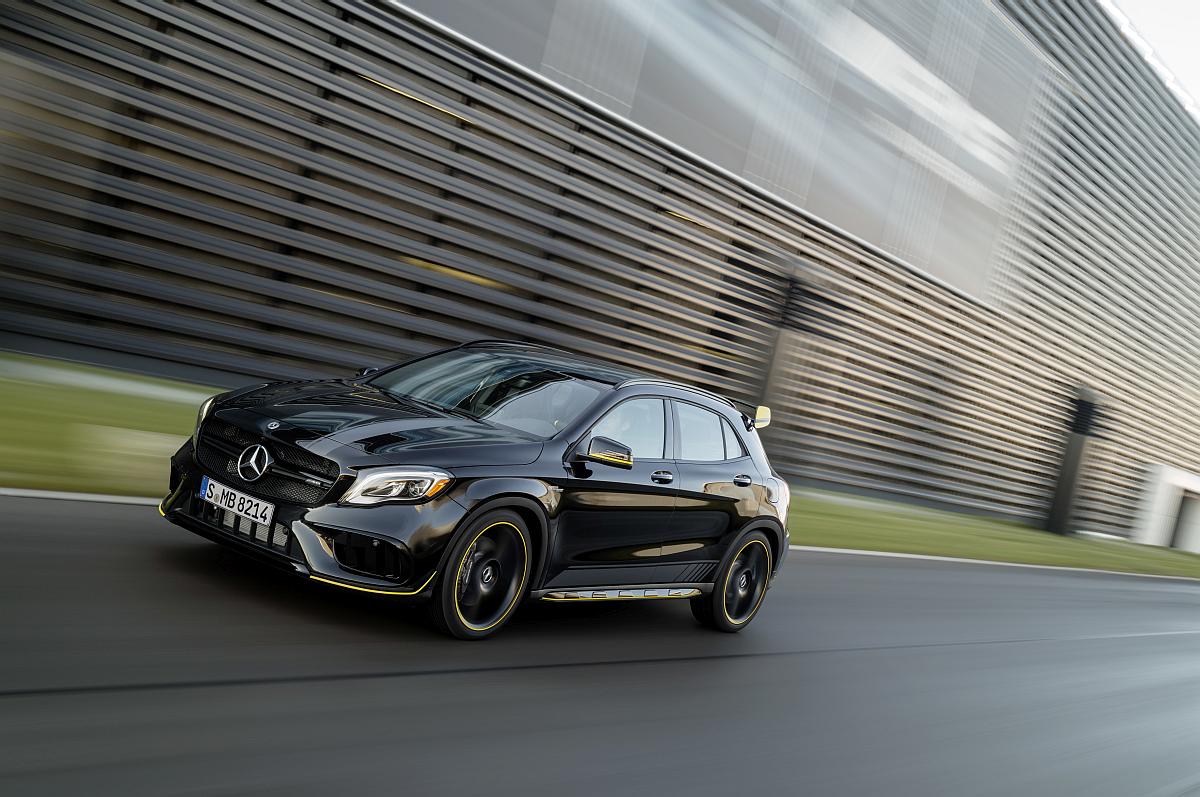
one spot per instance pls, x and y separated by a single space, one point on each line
296 189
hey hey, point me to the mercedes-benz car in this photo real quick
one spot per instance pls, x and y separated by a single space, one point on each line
476 477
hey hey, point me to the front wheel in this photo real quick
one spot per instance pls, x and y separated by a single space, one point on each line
486 575
740 586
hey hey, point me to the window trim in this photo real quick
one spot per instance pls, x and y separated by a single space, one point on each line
741 443
677 434
668 426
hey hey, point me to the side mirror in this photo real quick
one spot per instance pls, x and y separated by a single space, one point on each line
606 451
365 372
762 417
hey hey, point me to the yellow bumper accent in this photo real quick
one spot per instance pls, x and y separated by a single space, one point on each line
398 593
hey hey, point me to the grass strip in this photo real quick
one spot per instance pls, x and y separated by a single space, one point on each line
834 522
65 426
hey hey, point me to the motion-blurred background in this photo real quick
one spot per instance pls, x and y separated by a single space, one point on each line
914 229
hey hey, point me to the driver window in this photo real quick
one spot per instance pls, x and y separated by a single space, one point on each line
639 424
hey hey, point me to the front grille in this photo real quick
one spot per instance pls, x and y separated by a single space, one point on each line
274 537
229 433
296 476
307 461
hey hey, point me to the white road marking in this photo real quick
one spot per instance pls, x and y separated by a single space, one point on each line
992 562
140 500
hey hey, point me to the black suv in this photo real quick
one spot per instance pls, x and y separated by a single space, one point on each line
474 476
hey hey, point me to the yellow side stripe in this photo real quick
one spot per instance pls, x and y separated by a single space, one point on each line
428 581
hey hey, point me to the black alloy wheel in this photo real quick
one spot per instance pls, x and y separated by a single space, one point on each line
741 584
486 574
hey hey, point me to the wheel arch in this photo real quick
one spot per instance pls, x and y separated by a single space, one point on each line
775 536
529 509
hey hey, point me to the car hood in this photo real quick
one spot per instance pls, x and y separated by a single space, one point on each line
373 427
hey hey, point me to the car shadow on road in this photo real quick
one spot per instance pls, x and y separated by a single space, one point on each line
209 568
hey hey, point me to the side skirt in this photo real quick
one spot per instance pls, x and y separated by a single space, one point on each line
626 593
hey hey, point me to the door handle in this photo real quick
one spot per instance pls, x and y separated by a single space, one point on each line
662 476
742 480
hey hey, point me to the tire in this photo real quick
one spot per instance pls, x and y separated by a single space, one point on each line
485 577
741 584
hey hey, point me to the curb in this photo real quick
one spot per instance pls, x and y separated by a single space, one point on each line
989 562
15 492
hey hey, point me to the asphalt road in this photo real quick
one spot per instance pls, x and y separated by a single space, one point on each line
138 659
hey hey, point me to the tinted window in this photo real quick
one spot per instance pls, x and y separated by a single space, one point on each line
733 443
639 424
701 438
535 396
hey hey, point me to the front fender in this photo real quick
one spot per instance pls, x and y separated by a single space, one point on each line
535 500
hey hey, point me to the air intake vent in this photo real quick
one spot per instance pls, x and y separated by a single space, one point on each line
369 555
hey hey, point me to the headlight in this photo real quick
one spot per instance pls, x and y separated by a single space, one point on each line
201 415
376 485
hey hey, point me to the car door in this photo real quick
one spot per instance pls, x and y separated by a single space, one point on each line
612 520
717 494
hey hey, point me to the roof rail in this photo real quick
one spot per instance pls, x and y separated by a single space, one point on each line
679 385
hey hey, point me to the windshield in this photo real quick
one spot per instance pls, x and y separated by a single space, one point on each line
519 392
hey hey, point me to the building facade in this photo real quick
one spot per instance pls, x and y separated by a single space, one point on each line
912 228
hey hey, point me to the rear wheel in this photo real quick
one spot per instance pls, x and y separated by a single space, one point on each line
486 575
740 587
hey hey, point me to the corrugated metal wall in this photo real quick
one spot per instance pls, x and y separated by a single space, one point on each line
1103 252
291 189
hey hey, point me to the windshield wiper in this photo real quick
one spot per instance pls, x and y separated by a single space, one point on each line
431 405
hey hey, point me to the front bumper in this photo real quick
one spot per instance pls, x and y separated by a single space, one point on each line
298 541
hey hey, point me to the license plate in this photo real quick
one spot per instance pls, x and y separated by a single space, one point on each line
241 504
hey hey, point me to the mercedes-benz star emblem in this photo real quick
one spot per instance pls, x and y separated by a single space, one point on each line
273 425
253 463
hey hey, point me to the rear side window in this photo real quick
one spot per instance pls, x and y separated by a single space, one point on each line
639 424
733 443
701 438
